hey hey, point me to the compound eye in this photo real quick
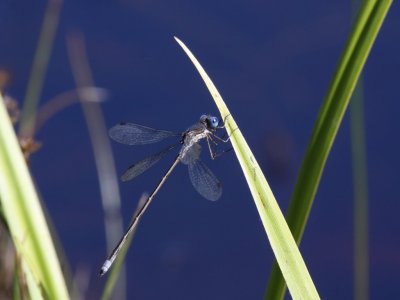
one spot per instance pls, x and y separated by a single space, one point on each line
214 122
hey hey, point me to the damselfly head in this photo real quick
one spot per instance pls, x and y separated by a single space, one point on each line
210 121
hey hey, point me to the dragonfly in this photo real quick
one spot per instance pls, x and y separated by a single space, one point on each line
203 180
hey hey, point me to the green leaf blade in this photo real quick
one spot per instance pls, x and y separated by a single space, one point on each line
359 44
281 240
24 216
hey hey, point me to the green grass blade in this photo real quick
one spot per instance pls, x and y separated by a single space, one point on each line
282 242
362 37
24 215
39 67
16 293
32 286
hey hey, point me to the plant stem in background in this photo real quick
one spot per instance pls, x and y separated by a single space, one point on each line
39 67
357 49
106 171
60 102
360 190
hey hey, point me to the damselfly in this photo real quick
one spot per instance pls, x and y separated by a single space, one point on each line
203 180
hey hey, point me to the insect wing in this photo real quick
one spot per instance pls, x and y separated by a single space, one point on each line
134 134
204 181
143 165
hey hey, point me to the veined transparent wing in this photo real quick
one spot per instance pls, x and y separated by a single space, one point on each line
134 134
204 181
144 164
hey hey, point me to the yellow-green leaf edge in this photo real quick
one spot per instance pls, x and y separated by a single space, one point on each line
283 245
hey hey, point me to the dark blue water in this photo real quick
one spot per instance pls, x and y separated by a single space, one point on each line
272 62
